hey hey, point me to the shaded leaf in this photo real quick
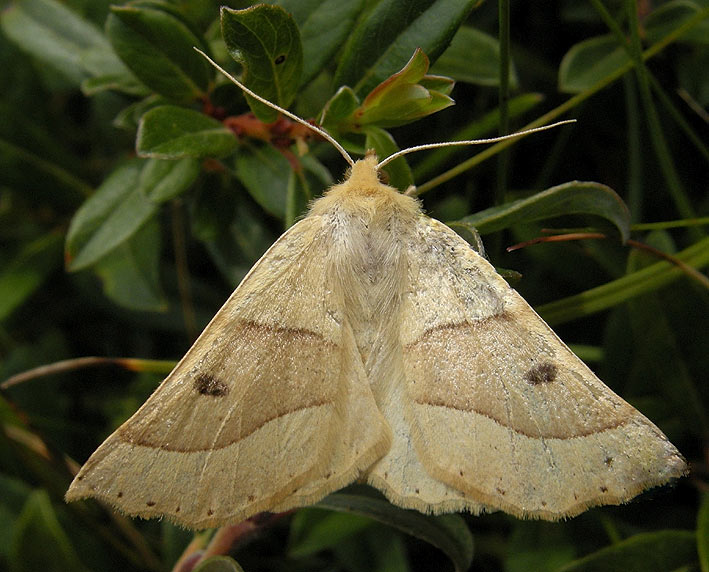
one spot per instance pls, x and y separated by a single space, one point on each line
38 542
218 564
171 132
127 83
266 41
265 173
473 57
378 548
26 272
647 552
129 117
55 35
447 532
617 291
109 217
313 530
130 272
703 533
391 32
669 16
400 176
588 62
304 185
324 26
660 356
162 180
158 48
538 546
576 197
233 231
25 169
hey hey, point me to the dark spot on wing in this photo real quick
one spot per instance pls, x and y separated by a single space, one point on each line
544 372
206 384
119 495
501 491
609 461
604 489
150 503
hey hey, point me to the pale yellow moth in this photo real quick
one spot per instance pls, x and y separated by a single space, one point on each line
371 342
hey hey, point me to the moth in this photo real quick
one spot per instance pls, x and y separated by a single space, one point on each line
370 342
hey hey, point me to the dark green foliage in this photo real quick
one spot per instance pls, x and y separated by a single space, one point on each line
119 142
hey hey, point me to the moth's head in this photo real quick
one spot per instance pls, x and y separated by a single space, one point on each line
365 173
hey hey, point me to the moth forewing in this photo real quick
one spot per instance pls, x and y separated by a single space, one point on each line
534 431
268 400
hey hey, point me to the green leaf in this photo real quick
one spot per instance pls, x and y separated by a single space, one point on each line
116 82
618 291
324 26
473 57
218 564
538 546
25 273
55 35
39 542
392 31
400 176
661 356
313 530
576 197
667 17
233 231
303 185
158 48
32 162
447 532
703 533
265 173
162 180
400 98
129 117
340 106
131 273
647 552
590 61
266 41
109 217
171 132
115 213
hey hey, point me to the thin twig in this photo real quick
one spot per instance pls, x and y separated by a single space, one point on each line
132 364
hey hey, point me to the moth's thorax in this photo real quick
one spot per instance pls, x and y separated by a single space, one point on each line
370 224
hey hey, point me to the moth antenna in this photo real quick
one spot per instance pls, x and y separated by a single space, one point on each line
408 150
285 112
